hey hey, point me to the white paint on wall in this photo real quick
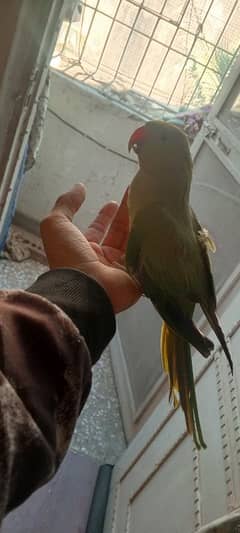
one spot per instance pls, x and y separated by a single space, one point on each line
66 157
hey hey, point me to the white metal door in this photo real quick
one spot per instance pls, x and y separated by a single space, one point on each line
162 484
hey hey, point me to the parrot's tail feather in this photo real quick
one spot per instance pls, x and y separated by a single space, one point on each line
197 423
177 362
169 362
213 321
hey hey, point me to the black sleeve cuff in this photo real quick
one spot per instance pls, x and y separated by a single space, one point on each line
84 301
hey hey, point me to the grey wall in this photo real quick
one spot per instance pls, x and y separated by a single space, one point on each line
66 157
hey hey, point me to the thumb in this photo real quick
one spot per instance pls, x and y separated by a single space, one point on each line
64 244
68 203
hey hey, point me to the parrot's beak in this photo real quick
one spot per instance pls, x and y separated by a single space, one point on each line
136 138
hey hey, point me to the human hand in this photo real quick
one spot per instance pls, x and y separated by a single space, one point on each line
95 252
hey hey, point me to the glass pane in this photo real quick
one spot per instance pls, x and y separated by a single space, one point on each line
168 76
127 13
187 83
183 42
216 20
112 54
201 51
96 39
133 55
150 65
194 15
145 22
108 6
206 89
173 9
164 32
154 5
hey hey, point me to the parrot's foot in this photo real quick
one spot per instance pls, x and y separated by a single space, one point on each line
138 284
124 269
209 347
119 266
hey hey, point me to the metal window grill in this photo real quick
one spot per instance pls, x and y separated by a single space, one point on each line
155 56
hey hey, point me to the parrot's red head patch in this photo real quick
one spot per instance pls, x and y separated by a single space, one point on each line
136 139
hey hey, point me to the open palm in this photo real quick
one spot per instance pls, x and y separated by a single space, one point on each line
97 252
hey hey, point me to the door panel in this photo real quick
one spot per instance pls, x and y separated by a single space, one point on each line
161 472
140 333
165 503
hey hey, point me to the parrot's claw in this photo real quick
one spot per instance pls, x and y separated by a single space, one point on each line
209 347
138 284
124 269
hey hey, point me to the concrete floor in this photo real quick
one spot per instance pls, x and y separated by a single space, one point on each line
99 431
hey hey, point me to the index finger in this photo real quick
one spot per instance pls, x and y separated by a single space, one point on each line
97 229
117 234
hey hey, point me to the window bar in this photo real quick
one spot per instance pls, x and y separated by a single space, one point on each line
229 66
169 47
127 42
64 42
113 19
150 40
190 51
131 28
90 26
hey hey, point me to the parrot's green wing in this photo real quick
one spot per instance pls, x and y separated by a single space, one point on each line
156 259
133 251
209 303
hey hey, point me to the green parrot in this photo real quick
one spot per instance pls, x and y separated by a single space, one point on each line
167 253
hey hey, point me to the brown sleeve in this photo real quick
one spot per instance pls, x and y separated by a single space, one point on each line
45 375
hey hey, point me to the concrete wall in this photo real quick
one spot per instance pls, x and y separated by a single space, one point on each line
66 157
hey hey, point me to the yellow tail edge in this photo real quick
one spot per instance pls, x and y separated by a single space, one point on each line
177 363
